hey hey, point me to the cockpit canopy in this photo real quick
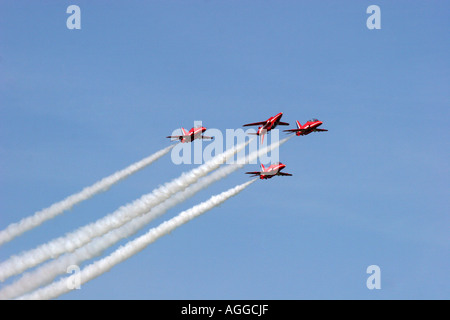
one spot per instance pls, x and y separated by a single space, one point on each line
313 120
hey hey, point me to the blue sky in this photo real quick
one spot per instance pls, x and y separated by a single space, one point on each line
78 105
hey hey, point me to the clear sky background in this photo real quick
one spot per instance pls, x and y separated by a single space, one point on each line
78 105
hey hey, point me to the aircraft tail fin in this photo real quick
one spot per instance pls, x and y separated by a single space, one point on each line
262 168
184 131
299 126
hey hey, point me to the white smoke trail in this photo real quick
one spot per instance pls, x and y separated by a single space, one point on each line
135 246
72 241
49 271
28 223
46 273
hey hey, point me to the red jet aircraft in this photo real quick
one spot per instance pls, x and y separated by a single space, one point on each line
310 126
194 133
267 125
267 173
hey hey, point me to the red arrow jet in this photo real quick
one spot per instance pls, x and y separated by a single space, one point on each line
310 126
266 126
194 133
267 173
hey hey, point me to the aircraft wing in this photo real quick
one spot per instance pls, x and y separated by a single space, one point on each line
254 173
283 123
321 130
187 137
206 137
284 174
294 130
255 124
